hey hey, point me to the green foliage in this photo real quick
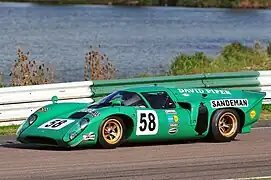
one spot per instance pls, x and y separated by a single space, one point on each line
145 2
1 80
269 48
205 3
63 2
186 64
143 75
224 3
233 58
267 107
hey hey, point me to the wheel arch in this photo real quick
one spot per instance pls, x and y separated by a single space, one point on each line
128 122
240 113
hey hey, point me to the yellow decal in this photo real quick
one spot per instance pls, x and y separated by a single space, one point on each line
252 113
175 118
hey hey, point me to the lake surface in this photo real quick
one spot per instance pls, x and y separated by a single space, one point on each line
136 40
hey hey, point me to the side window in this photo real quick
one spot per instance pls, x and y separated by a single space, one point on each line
159 100
132 99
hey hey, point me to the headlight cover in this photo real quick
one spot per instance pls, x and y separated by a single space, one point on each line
28 122
32 118
83 123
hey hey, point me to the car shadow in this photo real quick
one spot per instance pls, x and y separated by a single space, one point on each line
17 145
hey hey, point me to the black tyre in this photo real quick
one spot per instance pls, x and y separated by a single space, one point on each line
225 125
111 132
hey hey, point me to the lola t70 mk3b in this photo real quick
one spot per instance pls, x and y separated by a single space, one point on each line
145 114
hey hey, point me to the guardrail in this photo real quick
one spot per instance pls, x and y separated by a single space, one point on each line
265 85
17 103
231 80
104 87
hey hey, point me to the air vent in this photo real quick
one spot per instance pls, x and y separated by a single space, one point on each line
78 115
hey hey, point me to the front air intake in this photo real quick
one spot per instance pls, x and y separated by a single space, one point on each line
78 115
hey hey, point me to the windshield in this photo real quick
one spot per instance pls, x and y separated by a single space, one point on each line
127 99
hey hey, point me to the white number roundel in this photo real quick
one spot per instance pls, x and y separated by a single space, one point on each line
147 122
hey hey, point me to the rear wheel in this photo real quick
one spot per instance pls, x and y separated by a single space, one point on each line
111 132
225 125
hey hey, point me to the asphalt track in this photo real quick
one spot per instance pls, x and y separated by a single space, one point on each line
248 156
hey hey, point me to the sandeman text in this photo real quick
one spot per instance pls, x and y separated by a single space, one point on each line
229 103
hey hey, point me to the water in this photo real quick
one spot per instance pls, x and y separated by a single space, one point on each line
137 40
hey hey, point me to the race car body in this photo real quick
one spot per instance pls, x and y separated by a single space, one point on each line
145 114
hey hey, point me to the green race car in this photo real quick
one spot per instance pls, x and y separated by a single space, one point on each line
144 114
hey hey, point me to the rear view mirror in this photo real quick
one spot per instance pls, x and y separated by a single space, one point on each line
54 99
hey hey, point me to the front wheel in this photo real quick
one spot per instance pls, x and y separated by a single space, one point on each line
111 132
225 125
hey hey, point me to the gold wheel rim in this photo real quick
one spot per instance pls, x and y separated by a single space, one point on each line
227 124
112 131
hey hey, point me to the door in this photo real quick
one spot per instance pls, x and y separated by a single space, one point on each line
170 119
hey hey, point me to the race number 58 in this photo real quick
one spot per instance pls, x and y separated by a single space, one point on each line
56 124
147 122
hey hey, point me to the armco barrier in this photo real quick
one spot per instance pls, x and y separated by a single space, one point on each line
104 87
234 80
16 103
229 80
265 85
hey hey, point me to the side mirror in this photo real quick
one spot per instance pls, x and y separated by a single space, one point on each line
54 99
115 102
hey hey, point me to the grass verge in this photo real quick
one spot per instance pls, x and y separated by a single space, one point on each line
8 130
266 112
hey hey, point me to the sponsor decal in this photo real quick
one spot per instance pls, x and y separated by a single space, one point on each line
173 125
172 130
89 137
175 118
92 112
229 103
173 121
42 109
56 124
170 112
252 113
170 119
206 91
